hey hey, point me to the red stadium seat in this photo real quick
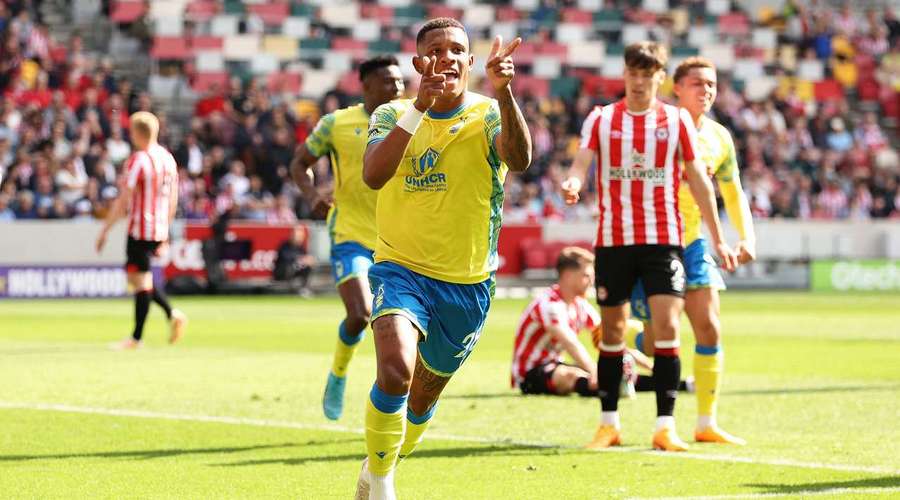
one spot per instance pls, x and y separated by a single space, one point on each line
202 10
536 258
577 16
203 81
444 11
408 45
507 14
206 43
527 84
350 84
127 11
271 13
383 13
283 81
868 89
558 50
828 90
170 47
353 46
734 24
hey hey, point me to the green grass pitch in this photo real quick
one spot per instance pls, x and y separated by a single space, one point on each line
812 381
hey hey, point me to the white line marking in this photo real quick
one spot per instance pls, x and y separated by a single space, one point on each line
804 493
284 424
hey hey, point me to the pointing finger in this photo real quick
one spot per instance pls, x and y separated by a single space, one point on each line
509 49
495 47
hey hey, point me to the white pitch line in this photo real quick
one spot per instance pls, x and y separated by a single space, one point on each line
804 493
284 424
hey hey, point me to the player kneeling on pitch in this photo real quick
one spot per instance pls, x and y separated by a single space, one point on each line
550 326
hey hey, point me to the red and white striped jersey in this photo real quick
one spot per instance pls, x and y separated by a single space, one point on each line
639 171
534 344
152 175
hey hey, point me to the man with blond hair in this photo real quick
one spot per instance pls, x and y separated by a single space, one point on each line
148 195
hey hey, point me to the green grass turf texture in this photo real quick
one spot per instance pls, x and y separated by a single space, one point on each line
810 378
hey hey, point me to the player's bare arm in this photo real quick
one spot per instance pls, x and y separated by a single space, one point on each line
571 187
702 189
118 210
301 172
382 159
576 349
514 142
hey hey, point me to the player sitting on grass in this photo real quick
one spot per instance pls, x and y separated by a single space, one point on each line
550 326
439 162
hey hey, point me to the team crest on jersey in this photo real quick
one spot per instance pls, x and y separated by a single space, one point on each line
662 134
425 163
637 158
358 130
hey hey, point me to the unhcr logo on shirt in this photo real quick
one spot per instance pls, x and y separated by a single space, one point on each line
424 178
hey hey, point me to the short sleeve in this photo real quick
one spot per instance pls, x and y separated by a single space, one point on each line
133 170
728 170
590 131
687 136
492 126
319 141
554 314
383 120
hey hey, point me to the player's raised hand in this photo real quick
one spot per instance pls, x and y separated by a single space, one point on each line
571 188
727 256
431 86
499 67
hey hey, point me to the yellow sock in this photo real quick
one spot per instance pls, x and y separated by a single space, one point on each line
415 429
343 352
385 422
707 377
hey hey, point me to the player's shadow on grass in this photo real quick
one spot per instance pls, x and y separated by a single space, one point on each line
505 450
172 452
870 483
812 390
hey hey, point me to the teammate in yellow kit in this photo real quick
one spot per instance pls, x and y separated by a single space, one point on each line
695 86
350 210
439 162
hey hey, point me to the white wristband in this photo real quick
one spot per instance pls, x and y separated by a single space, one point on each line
411 119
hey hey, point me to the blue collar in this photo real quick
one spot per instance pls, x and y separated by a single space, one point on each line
437 115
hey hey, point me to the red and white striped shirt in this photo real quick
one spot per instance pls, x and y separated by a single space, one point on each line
639 172
534 343
152 175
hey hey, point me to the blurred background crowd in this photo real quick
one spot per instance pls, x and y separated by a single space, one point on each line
813 101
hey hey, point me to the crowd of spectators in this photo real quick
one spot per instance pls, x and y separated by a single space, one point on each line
64 133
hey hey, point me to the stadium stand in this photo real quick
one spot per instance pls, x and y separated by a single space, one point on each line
811 93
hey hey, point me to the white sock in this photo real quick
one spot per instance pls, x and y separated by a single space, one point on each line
705 421
665 421
610 418
382 487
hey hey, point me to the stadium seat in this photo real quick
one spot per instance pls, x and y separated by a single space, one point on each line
397 3
764 38
203 81
759 88
384 47
698 36
507 30
685 51
339 62
169 27
461 4
747 69
264 64
295 27
608 20
234 7
127 11
565 87
828 90
590 5
408 14
272 14
656 6
170 47
587 54
162 87
302 9
811 69
317 82
632 33
282 47
166 9
577 16
367 30
209 61
340 15
527 84
199 43
528 5
546 66
201 10
383 13
224 25
613 67
734 24
571 33
282 81
314 45
479 16
355 47
681 21
721 54
718 7
506 13
350 84
439 10
241 47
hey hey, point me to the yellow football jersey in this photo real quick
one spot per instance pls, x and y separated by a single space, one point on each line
440 214
342 135
716 150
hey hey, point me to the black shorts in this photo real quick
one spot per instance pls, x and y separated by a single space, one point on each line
138 254
539 380
659 267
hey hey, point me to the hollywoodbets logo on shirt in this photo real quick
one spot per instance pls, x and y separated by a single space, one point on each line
424 178
637 172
